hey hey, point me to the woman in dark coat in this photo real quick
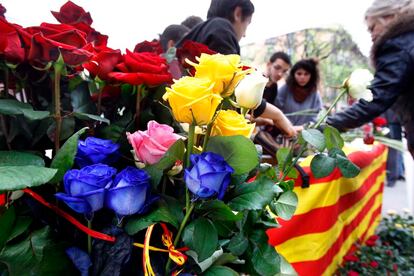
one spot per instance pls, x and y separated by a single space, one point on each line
391 24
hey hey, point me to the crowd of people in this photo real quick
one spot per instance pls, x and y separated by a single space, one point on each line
390 23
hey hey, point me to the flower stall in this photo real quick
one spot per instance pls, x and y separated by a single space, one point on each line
108 166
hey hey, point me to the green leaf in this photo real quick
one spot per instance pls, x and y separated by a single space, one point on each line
20 177
285 206
238 244
218 210
262 256
284 158
333 138
220 271
13 107
81 99
155 175
322 165
347 168
174 153
288 185
6 225
201 236
20 226
90 117
18 158
65 157
224 228
162 213
225 258
253 196
314 137
238 151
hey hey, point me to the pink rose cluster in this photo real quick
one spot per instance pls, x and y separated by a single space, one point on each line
150 145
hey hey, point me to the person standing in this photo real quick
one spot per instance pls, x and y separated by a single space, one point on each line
226 25
276 68
391 24
301 92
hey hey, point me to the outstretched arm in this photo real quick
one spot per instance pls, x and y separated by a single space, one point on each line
279 119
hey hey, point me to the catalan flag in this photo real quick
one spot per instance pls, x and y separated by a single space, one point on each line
332 214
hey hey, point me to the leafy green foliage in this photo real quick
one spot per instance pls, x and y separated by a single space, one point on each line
17 158
201 236
315 138
14 107
65 157
252 196
285 205
333 138
239 152
20 177
322 165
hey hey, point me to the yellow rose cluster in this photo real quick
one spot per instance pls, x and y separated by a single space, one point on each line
194 100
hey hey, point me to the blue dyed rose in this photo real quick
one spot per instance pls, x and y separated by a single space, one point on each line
130 193
208 175
85 188
94 150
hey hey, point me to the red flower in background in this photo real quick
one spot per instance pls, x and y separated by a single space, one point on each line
142 68
352 273
103 63
351 258
369 139
379 121
374 264
10 42
147 46
372 240
190 50
71 13
108 92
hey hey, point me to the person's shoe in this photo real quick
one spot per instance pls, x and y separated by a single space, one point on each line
401 177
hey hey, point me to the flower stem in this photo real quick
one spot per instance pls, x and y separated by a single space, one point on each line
190 144
180 230
99 107
207 136
6 82
57 115
318 123
138 105
89 237
322 118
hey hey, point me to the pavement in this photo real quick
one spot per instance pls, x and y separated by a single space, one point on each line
400 198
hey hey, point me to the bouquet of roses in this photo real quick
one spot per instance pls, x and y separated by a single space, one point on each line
106 168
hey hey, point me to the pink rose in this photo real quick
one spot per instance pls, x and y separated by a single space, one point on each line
150 145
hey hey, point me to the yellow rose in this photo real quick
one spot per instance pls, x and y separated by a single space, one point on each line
192 98
224 70
229 122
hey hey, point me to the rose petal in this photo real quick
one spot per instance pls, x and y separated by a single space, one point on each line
79 205
126 200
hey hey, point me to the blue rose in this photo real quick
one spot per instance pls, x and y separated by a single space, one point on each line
85 188
94 150
130 193
208 175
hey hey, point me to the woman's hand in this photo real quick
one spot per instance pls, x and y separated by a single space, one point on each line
280 120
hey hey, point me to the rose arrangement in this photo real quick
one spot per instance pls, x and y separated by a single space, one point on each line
98 174
189 199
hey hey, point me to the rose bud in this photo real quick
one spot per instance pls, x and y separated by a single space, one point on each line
249 92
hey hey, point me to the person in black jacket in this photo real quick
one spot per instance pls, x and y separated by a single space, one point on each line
391 24
226 24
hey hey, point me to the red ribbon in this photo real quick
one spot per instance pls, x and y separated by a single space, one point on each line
76 223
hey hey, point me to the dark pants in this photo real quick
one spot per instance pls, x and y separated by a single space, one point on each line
395 163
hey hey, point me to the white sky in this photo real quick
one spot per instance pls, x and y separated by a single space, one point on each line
130 21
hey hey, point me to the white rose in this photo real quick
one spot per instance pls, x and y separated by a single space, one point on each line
357 84
249 92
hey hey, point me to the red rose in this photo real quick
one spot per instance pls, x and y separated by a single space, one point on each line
190 50
142 68
395 267
71 13
10 42
372 240
147 46
351 258
380 121
352 273
48 40
374 264
364 264
103 63
96 38
369 139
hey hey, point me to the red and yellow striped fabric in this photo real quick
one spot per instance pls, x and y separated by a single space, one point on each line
332 214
